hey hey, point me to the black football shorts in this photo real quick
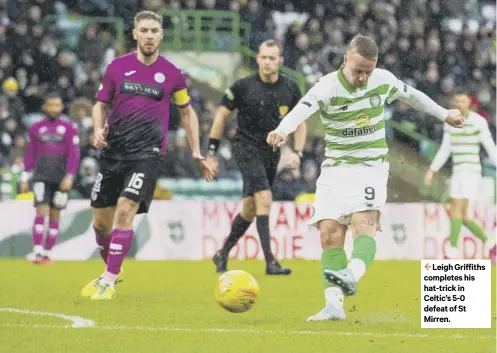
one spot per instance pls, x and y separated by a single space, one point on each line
257 166
132 179
48 193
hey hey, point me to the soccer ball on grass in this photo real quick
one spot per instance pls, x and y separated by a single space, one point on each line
236 291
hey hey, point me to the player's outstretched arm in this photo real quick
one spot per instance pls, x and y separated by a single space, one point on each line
311 103
189 121
420 101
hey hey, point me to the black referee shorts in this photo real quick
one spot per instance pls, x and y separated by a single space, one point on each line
257 166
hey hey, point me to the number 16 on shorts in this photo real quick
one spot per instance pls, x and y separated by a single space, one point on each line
135 183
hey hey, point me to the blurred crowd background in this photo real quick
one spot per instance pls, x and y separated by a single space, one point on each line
433 45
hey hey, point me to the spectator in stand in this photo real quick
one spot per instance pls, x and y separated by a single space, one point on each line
15 106
416 41
90 48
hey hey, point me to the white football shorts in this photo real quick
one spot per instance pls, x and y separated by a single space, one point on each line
345 189
464 185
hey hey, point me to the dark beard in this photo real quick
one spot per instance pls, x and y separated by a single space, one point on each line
147 54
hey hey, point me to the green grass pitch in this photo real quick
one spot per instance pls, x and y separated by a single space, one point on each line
170 307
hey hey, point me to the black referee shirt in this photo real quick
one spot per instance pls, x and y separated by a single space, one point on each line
261 105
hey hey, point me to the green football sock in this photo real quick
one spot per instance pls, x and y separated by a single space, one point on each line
364 249
455 230
476 229
333 259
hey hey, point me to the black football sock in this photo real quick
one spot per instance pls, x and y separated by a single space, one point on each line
263 230
238 229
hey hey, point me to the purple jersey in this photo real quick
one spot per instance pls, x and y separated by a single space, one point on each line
52 150
140 98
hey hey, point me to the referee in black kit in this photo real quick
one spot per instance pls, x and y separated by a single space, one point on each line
262 100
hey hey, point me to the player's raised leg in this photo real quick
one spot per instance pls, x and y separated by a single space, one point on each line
363 226
240 225
333 258
42 211
263 200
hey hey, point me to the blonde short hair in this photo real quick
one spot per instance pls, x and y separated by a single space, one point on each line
364 46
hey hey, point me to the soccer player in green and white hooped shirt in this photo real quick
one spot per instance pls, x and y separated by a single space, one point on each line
352 187
464 148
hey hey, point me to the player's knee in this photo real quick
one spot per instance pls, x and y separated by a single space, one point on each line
248 211
102 228
248 215
364 223
102 225
42 211
54 214
125 213
263 200
124 217
331 236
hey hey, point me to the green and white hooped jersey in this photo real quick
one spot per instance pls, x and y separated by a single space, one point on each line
464 145
353 118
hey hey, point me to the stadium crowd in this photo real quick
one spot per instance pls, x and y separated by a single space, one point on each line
423 42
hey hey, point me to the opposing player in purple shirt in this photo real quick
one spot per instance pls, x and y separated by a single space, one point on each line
135 94
52 160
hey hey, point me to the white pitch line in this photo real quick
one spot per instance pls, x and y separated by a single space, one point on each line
77 321
260 332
